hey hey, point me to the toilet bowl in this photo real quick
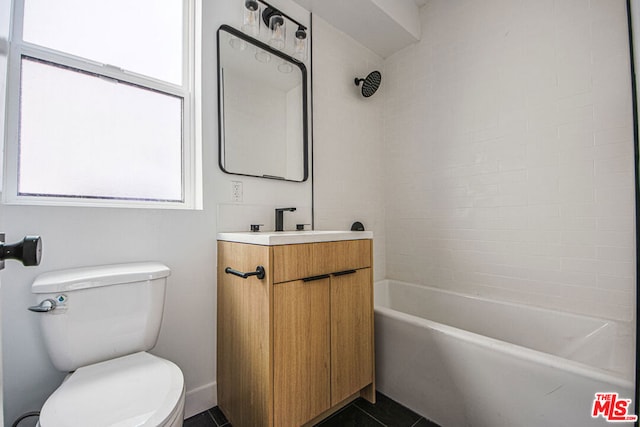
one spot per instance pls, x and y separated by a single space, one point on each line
135 390
99 325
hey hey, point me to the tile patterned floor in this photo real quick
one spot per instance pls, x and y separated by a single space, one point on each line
359 413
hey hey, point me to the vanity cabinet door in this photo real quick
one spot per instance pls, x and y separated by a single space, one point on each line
301 344
351 333
244 333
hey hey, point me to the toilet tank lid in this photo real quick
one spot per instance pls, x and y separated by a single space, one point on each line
102 275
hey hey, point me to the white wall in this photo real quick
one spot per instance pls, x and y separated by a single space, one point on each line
348 138
509 153
184 240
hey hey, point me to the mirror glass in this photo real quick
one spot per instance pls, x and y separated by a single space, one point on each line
262 107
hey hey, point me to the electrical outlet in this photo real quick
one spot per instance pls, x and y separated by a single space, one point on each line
236 191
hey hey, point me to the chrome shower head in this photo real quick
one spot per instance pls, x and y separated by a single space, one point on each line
370 84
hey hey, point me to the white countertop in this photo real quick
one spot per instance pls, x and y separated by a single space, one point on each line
272 238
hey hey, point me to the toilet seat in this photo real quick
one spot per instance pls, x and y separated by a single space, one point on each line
135 390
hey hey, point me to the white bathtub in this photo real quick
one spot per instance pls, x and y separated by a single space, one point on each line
461 361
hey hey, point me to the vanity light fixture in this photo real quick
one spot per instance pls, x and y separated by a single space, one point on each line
300 44
275 20
250 24
277 25
251 18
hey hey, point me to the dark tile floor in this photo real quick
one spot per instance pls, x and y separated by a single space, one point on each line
359 413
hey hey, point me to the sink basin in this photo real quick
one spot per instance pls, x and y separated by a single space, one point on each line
272 238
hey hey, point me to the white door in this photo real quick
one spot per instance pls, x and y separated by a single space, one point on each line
1 386
1 382
28 251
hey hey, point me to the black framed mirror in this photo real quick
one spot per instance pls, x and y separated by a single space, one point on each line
262 109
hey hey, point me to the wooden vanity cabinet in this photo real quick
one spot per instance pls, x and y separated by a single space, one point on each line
299 343
351 333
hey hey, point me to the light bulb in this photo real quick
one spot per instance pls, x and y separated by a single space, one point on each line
300 45
251 18
278 32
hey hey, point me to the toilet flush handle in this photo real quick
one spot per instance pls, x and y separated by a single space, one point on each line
44 307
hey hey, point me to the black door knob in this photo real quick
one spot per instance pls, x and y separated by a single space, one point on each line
28 251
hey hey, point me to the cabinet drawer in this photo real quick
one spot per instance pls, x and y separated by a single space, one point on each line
293 262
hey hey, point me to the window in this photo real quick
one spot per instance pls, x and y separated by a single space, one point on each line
101 104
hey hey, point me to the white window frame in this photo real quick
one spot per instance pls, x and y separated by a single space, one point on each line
189 91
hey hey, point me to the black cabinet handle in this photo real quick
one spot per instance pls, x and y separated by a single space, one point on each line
326 276
260 273
343 273
312 278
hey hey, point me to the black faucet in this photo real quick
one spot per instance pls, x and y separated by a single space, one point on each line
280 217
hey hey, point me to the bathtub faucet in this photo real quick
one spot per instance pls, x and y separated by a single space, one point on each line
280 217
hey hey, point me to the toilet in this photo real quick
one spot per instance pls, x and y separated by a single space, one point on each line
98 324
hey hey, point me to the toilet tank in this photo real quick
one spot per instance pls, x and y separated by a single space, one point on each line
101 312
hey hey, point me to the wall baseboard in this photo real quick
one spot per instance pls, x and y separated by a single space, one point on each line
200 399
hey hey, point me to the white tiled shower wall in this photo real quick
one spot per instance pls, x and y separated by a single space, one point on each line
348 138
509 154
